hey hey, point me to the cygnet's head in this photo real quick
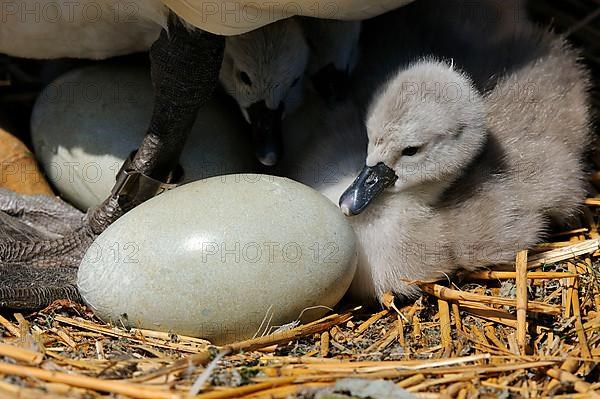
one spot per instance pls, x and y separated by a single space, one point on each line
423 128
263 70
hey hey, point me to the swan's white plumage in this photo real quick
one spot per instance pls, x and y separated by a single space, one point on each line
84 29
242 16
105 28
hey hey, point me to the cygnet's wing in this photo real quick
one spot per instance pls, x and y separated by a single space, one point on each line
540 114
531 169
113 28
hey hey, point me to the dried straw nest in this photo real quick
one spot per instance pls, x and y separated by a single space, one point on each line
532 332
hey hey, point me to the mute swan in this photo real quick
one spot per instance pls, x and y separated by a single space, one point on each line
456 179
83 29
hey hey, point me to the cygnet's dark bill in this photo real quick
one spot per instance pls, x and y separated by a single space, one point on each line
266 132
371 182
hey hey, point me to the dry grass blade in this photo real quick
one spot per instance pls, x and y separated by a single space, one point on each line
453 295
10 327
562 254
244 390
286 391
377 316
521 267
117 387
135 335
445 325
497 275
19 354
579 385
318 326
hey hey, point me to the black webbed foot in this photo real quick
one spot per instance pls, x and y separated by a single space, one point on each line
42 240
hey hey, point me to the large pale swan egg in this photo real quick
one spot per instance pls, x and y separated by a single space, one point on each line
223 259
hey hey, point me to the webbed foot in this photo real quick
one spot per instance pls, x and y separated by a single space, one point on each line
42 240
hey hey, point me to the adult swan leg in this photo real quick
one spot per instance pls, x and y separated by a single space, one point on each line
42 239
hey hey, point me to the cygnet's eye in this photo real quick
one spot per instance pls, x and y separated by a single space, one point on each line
245 78
295 82
410 151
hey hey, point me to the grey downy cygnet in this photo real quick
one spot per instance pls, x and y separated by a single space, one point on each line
458 179
263 70
493 190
